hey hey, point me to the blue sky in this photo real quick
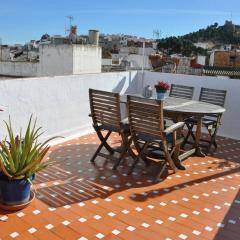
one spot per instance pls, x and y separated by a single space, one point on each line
22 20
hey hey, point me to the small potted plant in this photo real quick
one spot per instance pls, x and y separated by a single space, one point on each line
21 156
161 89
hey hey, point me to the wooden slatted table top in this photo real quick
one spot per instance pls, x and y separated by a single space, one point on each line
181 105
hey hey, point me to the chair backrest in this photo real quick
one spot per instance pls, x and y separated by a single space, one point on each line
181 91
213 96
145 116
105 108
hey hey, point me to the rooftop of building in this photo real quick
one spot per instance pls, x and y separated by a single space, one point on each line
76 199
79 200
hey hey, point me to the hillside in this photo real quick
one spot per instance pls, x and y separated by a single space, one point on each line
226 34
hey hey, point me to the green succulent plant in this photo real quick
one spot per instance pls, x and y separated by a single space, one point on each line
22 155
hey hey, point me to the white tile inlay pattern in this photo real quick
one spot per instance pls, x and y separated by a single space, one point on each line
32 230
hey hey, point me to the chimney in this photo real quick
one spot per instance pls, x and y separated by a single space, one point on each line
93 37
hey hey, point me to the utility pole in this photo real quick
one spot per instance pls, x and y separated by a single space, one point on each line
143 62
143 57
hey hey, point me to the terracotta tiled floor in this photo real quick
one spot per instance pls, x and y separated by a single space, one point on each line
78 200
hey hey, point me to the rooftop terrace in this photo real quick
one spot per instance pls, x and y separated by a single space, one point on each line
78 200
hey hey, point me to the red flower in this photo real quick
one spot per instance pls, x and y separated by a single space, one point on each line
162 86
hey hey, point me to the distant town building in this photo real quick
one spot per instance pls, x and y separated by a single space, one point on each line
129 52
52 56
201 60
222 58
205 45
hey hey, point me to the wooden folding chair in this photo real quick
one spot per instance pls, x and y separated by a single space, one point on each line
210 122
148 134
181 91
105 113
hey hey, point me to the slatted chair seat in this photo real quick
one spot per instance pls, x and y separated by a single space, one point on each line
147 131
105 113
210 122
181 91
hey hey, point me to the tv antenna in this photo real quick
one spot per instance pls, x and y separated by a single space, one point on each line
156 34
70 19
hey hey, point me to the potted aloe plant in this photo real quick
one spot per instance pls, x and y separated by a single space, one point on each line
161 89
21 156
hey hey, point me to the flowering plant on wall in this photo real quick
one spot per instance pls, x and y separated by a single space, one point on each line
162 86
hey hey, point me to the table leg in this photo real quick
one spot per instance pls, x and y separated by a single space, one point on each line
198 137
176 160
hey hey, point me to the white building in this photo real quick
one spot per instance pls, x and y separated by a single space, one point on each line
5 53
201 60
204 45
135 61
54 60
137 50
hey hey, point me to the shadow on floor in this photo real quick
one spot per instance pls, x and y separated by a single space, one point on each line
73 178
229 227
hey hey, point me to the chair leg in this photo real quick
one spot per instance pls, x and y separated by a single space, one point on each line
213 139
215 145
138 148
136 160
158 177
189 133
100 146
167 156
116 164
126 143
104 139
192 134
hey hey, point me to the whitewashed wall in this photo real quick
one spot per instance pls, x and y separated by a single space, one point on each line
87 59
137 61
5 54
230 124
106 62
60 103
55 60
26 69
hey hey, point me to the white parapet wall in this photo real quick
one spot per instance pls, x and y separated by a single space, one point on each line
230 121
55 60
87 59
61 104
24 69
